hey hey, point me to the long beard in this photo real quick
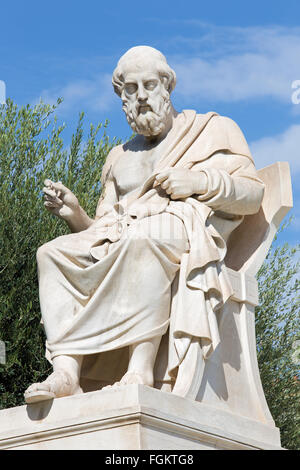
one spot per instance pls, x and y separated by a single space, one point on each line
152 122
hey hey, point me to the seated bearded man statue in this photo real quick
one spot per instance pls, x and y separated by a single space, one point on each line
171 197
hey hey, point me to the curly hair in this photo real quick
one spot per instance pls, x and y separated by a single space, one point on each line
135 59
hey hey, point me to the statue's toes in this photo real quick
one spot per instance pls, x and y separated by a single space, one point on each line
38 386
38 392
109 387
131 378
32 388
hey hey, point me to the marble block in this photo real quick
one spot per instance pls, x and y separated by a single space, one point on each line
131 417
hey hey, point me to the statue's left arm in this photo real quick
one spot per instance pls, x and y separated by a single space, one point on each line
218 170
225 182
232 184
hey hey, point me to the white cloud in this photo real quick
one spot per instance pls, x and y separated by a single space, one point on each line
282 147
225 64
96 94
233 64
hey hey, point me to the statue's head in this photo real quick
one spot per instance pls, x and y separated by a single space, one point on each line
144 81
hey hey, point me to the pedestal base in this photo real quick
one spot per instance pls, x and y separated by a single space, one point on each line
130 417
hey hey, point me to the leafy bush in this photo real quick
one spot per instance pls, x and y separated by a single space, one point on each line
277 332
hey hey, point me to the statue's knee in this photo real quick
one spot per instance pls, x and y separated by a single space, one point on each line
44 251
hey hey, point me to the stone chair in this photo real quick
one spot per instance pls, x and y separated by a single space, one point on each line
229 379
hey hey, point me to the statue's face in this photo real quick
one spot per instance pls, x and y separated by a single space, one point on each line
146 102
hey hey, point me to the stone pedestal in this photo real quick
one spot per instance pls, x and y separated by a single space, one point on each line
131 417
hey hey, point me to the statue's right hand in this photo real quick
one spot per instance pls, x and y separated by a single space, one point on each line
59 200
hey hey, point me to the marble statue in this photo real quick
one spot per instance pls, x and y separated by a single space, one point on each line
174 192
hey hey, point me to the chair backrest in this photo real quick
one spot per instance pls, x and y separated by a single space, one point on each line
248 245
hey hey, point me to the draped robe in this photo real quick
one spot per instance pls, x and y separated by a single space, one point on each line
206 143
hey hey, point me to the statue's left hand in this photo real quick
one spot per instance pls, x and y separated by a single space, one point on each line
180 183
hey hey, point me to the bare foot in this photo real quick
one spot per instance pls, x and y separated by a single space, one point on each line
59 384
132 378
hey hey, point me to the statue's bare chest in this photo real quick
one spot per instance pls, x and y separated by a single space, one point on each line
133 168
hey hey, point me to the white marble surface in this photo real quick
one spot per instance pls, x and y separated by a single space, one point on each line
130 417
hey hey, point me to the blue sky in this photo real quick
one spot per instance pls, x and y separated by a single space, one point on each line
237 58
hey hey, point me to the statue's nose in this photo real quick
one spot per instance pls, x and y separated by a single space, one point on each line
142 95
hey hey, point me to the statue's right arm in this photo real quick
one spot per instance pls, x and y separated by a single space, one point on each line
60 201
109 195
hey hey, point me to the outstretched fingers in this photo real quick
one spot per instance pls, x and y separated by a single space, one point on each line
52 199
58 187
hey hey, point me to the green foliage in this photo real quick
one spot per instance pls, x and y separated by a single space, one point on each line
32 149
277 332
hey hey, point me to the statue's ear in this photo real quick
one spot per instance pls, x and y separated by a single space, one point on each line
169 81
166 82
118 82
